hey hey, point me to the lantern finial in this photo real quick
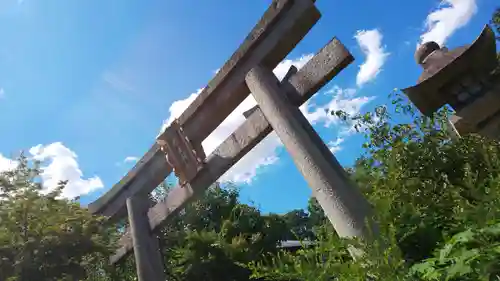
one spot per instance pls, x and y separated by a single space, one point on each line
425 50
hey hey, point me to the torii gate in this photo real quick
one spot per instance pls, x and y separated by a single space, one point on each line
249 69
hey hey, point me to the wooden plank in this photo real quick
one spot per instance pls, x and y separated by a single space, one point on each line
327 63
282 26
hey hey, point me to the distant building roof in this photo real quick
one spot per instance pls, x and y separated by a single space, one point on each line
295 244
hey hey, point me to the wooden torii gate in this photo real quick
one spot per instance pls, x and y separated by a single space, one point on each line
179 148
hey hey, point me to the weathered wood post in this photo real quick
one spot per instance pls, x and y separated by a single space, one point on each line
343 204
148 261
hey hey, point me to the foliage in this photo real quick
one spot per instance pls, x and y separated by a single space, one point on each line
217 234
436 201
434 187
429 193
473 254
495 21
214 237
44 237
425 189
330 259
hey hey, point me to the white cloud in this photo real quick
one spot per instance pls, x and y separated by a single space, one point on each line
2 93
130 159
6 164
370 42
449 17
334 146
265 153
341 99
177 108
59 163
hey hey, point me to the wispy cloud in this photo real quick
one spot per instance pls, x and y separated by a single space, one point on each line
345 100
2 93
335 145
370 42
116 82
450 16
130 159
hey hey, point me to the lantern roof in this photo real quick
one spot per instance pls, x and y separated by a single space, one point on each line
442 66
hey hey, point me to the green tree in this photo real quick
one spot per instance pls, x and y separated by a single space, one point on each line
298 224
44 237
218 234
495 21
317 217
214 237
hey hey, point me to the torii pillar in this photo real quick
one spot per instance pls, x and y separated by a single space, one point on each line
148 261
343 204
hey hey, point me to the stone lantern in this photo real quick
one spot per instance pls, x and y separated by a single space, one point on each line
466 78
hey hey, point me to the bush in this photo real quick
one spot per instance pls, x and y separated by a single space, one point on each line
428 192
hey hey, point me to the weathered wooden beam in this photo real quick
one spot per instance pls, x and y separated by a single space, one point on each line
279 30
327 63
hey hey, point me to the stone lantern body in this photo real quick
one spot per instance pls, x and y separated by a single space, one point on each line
466 78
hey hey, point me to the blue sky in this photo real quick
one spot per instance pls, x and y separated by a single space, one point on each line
85 86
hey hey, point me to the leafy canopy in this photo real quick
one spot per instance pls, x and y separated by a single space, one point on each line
44 237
